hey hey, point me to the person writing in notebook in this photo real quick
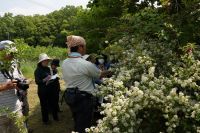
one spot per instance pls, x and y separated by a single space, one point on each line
45 89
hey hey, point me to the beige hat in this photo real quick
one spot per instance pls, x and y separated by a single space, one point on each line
73 41
43 57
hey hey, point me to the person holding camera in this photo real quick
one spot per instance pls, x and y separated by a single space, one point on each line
8 88
78 75
46 93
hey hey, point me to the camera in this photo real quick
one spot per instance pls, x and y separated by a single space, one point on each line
22 84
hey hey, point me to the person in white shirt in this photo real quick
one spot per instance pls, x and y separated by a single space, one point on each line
78 74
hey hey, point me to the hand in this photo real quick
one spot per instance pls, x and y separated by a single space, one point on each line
47 78
10 85
106 73
110 74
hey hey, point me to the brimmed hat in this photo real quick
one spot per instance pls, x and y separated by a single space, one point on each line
43 57
5 43
55 62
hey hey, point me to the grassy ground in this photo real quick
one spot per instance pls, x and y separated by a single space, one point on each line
65 125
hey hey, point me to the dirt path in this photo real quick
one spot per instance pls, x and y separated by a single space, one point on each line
65 125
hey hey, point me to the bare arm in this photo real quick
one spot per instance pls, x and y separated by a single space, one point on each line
2 87
7 86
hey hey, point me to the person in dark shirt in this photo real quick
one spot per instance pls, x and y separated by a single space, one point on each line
45 89
56 84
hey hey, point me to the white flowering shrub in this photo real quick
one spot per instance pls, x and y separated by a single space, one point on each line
151 91
148 111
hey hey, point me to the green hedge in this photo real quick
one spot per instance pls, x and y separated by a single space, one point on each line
29 53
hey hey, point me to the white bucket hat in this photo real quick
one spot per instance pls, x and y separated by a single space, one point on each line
4 43
43 57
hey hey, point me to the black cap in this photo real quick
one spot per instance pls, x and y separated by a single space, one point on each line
55 62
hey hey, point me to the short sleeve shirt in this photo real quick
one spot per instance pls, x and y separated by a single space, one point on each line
80 73
8 98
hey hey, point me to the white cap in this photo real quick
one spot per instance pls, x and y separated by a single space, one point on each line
43 57
85 56
4 43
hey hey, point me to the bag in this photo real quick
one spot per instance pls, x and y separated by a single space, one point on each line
73 96
69 96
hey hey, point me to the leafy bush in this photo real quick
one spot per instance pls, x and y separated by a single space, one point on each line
18 121
30 53
27 56
153 90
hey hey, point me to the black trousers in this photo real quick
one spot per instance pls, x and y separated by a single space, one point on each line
82 113
48 104
57 94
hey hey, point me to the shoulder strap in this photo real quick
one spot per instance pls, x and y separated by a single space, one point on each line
6 74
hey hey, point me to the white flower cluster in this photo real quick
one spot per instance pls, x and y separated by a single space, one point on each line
123 113
139 97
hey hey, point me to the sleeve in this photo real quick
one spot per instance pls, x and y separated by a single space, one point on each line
38 78
93 71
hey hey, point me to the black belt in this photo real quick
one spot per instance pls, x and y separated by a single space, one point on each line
77 91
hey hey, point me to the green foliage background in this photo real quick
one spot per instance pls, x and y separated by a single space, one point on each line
108 20
27 56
